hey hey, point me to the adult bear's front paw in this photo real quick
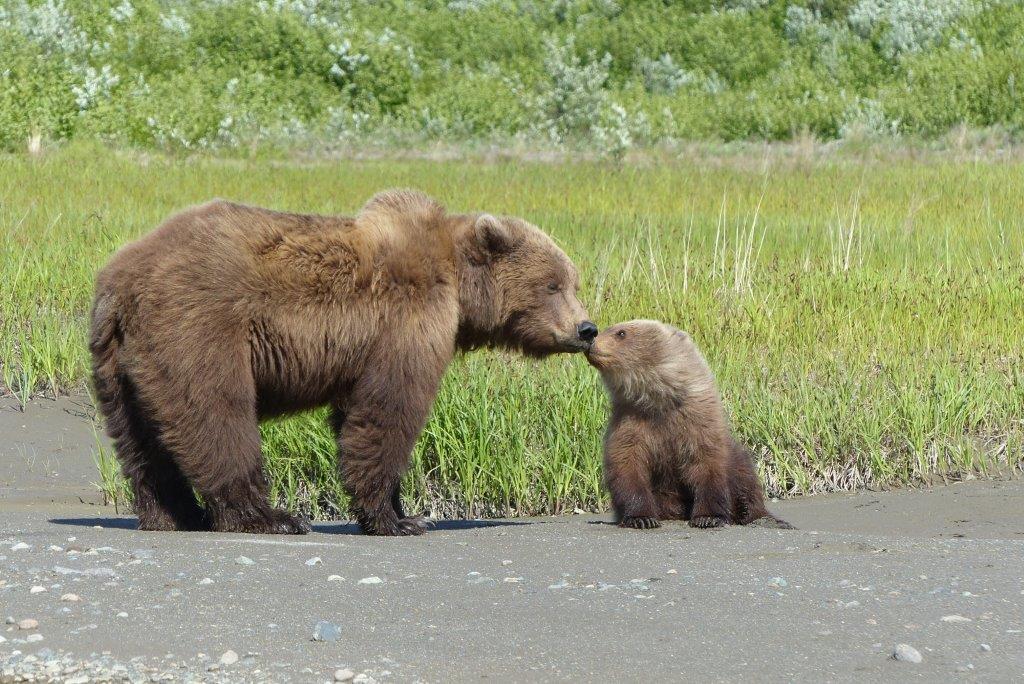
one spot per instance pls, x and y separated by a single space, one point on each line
395 527
708 521
412 525
286 523
640 522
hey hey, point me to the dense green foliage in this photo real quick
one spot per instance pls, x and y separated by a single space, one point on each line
862 312
607 74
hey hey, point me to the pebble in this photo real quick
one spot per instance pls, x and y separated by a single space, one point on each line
326 631
122 614
229 657
778 582
21 546
907 654
985 648
73 598
363 678
315 560
32 638
205 581
673 571
373 579
344 675
245 560
28 623
955 619
506 562
335 578
37 590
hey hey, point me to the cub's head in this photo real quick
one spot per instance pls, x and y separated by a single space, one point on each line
650 364
518 290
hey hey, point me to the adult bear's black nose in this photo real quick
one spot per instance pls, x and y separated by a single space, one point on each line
587 331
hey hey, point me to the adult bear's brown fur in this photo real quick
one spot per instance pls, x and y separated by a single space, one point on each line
227 314
669 453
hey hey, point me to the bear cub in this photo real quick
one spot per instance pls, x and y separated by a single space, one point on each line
669 453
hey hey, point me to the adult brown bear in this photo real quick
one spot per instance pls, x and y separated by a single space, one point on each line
227 314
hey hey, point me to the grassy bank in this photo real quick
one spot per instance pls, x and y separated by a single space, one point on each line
862 312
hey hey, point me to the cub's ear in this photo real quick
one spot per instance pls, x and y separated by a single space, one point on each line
491 235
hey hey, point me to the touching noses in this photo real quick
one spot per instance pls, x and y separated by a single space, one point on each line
587 331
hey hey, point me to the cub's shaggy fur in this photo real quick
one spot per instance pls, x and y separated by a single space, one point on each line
227 314
669 453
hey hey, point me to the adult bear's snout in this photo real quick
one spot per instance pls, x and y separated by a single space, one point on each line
587 331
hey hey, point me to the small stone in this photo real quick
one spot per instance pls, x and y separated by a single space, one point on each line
73 598
229 657
673 571
326 631
315 560
335 578
28 623
122 614
32 638
21 546
906 653
955 619
344 675
363 678
985 648
373 579
37 590
245 560
513 580
506 562
205 581
778 582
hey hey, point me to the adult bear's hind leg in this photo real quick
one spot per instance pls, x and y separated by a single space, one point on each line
218 448
163 497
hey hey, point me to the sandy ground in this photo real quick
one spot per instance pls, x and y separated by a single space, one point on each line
536 600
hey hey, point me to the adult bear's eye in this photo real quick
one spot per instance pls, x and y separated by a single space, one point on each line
621 333
554 287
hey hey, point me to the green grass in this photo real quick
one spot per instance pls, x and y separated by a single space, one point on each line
862 310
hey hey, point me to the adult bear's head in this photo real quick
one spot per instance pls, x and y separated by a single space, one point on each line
517 289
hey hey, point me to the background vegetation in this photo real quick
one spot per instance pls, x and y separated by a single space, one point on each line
862 309
244 75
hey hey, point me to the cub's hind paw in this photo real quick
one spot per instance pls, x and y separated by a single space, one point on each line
708 522
640 522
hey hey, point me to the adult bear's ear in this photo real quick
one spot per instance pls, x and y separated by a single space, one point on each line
491 235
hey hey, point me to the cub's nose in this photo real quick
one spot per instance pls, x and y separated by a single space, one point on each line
587 331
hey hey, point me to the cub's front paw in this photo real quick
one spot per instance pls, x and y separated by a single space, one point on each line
708 521
642 522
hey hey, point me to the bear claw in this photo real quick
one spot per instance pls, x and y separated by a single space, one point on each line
643 522
708 522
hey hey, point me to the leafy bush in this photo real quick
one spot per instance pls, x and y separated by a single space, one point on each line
249 73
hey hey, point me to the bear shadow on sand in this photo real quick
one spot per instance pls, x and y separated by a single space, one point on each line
334 528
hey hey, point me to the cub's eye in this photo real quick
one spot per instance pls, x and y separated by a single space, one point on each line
554 287
620 334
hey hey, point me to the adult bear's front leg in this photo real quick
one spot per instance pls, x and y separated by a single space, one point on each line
376 434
